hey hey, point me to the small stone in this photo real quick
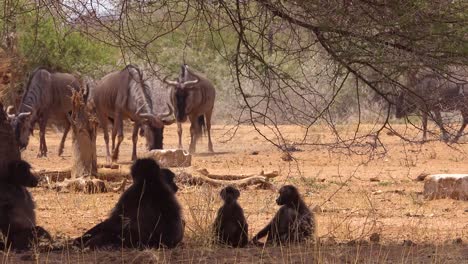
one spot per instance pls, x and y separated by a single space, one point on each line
254 152
317 209
374 179
374 238
377 192
286 156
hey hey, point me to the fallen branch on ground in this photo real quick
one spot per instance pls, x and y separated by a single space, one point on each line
201 177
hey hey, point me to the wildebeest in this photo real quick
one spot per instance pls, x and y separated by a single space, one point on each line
121 95
193 96
146 215
434 93
46 97
293 222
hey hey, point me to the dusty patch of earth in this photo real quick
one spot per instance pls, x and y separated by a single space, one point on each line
357 198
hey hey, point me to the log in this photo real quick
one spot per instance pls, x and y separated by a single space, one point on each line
170 157
104 174
82 184
439 186
200 179
230 177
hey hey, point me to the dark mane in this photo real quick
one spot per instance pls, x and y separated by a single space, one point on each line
26 90
144 87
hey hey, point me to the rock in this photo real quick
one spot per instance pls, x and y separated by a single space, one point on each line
254 152
408 243
170 157
317 209
374 238
374 179
286 156
454 186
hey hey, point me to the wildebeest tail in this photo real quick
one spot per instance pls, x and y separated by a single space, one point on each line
201 125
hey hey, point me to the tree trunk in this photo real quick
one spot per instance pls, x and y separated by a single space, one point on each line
84 126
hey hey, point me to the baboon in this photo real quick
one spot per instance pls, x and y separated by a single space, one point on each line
293 222
168 178
146 215
230 226
17 217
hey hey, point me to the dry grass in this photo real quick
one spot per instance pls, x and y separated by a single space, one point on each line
352 207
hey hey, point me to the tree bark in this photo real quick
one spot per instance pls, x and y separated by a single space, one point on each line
84 126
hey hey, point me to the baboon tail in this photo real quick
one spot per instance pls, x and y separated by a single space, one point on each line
202 125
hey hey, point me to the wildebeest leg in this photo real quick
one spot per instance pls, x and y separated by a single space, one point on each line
424 126
462 128
208 129
193 133
64 136
42 141
136 127
105 130
118 130
438 119
179 133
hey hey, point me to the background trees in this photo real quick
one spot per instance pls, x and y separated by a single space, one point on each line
273 62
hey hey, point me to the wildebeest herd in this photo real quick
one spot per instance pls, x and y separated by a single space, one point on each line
148 213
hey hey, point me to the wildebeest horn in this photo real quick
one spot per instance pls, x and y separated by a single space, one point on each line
191 82
23 115
165 116
146 116
165 80
169 113
139 109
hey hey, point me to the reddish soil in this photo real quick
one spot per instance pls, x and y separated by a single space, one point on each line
352 207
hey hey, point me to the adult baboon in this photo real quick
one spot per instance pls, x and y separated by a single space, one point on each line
146 215
17 217
293 222
230 226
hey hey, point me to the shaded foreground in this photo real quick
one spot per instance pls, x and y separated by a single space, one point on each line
368 253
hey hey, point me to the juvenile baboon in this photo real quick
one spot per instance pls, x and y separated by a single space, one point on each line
293 222
146 215
17 217
230 226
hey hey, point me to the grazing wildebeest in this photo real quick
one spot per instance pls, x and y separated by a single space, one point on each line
124 95
193 96
46 97
433 93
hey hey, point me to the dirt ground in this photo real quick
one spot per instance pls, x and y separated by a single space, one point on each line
351 206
